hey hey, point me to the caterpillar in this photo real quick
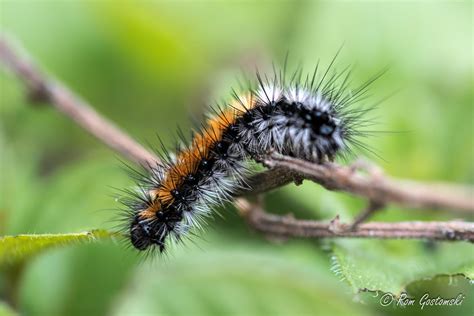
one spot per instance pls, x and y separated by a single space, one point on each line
310 117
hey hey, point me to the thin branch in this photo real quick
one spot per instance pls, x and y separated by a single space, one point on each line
377 188
41 88
288 226
269 180
372 207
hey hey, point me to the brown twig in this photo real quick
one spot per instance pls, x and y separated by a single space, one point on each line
288 226
378 190
41 88
372 207
376 187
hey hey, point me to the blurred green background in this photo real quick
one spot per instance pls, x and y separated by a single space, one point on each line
152 66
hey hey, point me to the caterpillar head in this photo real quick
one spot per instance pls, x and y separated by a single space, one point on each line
143 235
154 231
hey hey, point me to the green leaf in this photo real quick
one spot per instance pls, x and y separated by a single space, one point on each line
389 266
231 281
16 249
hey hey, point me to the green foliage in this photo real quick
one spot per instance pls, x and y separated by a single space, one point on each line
14 250
245 281
5 310
389 266
146 67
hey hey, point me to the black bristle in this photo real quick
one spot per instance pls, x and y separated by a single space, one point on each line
310 117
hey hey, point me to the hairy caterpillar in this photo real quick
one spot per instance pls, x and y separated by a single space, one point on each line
311 119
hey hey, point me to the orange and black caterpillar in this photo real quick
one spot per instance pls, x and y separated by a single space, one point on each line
311 119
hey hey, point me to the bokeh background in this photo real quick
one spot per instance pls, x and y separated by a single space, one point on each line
152 66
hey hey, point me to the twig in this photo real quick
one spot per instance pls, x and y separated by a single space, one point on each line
269 180
372 207
288 226
406 193
40 88
283 171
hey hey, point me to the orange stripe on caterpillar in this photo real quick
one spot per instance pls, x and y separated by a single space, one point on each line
310 119
188 160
